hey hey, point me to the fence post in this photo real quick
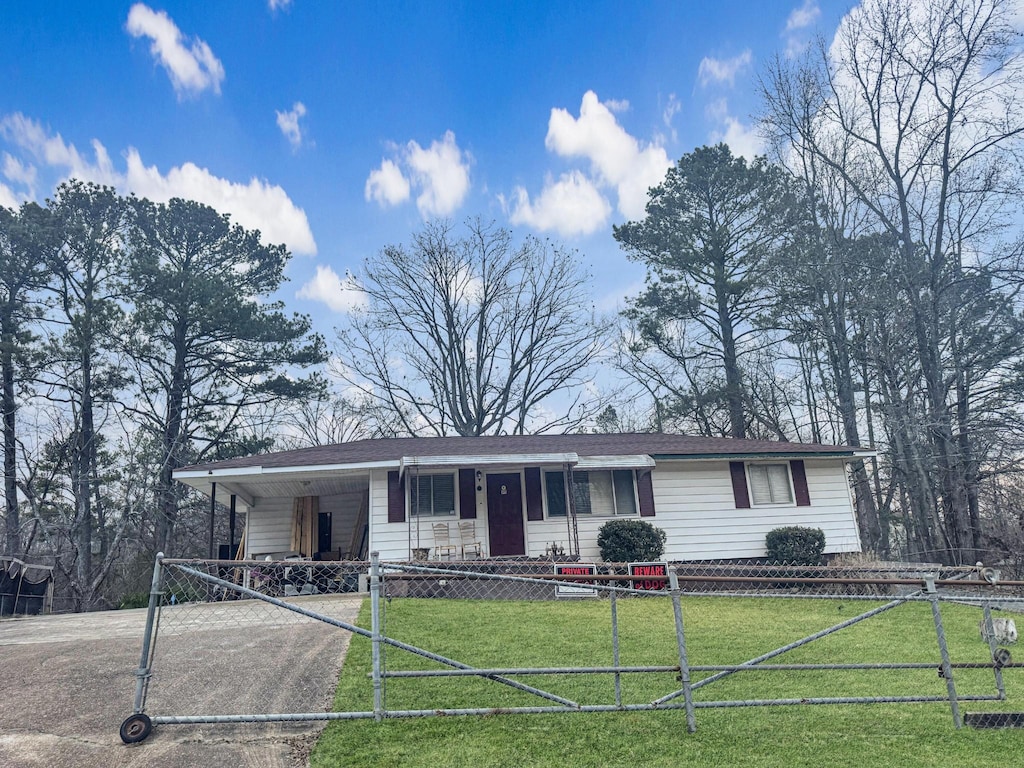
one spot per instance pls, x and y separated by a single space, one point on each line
684 665
615 650
378 708
142 674
940 634
990 633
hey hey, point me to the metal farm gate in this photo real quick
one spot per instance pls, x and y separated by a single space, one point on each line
238 614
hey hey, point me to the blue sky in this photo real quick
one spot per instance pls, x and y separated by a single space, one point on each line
337 128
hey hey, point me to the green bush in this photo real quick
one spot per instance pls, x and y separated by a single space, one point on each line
795 545
622 541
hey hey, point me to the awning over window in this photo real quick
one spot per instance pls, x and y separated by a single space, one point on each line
641 461
517 459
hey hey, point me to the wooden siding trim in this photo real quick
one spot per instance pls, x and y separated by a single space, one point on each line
467 494
803 496
396 498
645 493
534 494
738 473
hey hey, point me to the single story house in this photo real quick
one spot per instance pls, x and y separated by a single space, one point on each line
528 495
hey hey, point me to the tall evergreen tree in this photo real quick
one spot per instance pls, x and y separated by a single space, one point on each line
710 231
209 349
23 273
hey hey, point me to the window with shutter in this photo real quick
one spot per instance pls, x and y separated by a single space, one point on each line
433 495
595 492
769 484
554 492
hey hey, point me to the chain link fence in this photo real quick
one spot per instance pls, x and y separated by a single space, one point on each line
550 625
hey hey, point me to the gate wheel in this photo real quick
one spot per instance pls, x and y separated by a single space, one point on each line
136 728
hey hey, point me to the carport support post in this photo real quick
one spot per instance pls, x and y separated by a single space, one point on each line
684 664
145 661
378 708
213 512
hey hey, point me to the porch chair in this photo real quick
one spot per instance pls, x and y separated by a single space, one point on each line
443 541
470 543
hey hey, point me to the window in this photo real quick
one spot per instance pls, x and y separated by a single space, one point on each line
554 490
769 484
433 495
595 492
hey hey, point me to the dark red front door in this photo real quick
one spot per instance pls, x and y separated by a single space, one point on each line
505 515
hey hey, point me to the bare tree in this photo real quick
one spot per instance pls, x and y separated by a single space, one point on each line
326 421
474 334
915 108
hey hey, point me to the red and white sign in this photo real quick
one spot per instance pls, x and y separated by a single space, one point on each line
656 573
575 569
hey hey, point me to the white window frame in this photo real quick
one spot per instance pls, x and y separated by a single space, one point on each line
413 507
611 477
789 484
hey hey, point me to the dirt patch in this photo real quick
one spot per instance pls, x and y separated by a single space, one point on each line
69 681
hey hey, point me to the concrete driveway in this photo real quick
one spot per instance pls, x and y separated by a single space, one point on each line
67 682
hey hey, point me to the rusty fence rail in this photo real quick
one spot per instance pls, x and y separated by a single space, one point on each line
311 605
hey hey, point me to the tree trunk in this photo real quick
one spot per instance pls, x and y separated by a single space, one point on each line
8 404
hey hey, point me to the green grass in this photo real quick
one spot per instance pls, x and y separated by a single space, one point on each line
718 631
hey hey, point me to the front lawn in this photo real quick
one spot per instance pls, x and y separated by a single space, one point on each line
718 631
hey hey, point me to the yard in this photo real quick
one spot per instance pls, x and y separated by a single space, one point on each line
718 631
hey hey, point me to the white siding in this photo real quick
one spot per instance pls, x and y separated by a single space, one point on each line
343 508
394 541
696 509
693 501
269 527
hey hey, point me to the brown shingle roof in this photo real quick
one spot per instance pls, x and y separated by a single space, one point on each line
653 444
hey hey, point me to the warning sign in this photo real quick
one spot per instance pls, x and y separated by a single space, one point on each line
575 569
656 575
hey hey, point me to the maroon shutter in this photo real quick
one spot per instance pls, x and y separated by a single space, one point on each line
645 493
534 498
739 484
467 494
396 498
803 497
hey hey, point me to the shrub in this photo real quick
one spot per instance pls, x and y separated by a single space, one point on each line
623 541
795 545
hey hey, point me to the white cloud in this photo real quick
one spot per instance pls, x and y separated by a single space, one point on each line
439 173
341 295
803 16
742 139
288 122
672 108
723 70
571 206
257 204
798 21
190 64
16 171
7 197
279 5
387 185
53 151
442 173
616 158
717 110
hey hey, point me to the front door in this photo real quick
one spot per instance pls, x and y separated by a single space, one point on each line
505 515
